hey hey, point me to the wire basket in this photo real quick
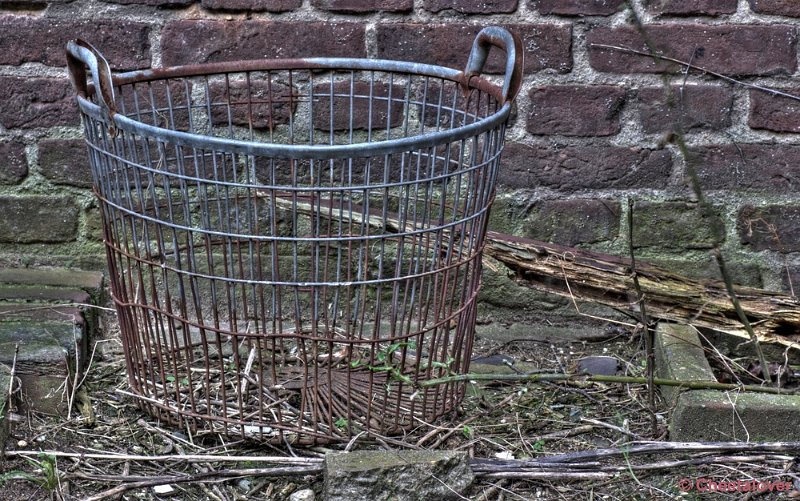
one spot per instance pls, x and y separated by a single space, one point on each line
294 246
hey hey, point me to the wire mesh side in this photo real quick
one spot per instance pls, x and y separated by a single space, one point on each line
295 299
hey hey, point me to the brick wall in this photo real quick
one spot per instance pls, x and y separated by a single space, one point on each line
591 129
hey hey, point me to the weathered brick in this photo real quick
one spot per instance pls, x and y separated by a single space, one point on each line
583 167
578 7
771 227
253 5
362 6
154 3
189 41
673 225
37 102
547 46
472 6
692 7
124 43
13 165
731 49
360 116
64 161
576 110
776 113
692 107
776 7
572 222
748 167
32 219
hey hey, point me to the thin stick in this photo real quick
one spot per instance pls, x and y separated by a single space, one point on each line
188 458
532 378
648 331
201 477
718 233
690 65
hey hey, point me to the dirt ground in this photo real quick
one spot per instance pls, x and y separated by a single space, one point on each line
495 421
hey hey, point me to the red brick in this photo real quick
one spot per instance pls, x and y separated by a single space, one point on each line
13 165
569 168
65 161
33 4
256 107
32 219
572 222
42 40
547 46
189 41
771 227
705 107
775 113
776 7
253 5
154 3
575 110
692 7
731 49
767 168
578 7
363 6
381 110
37 102
472 6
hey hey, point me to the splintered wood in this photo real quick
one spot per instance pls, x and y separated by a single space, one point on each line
608 280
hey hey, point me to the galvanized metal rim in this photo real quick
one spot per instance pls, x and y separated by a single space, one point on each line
303 151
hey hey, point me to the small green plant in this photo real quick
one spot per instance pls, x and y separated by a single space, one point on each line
538 446
47 477
385 358
468 431
184 381
341 423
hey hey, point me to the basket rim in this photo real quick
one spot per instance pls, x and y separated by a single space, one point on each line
302 151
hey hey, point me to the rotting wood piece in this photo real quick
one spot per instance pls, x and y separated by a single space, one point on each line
606 279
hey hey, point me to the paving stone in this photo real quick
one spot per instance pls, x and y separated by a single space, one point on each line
89 281
396 475
712 415
44 356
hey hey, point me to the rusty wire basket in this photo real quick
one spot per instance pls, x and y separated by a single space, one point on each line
294 245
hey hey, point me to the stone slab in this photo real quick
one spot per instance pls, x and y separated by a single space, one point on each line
396 475
89 281
714 415
5 379
679 355
44 356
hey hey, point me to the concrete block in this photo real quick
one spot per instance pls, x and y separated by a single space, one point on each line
396 475
45 356
715 415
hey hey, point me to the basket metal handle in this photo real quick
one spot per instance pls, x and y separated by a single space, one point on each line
502 39
81 54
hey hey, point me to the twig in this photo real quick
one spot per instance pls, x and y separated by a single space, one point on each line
689 65
648 331
188 458
200 477
707 210
532 378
